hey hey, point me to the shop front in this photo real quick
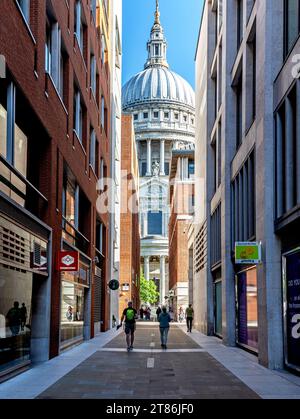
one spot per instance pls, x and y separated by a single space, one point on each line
247 309
24 295
291 308
75 305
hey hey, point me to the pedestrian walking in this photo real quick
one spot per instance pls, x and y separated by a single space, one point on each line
141 313
164 326
189 314
129 316
158 312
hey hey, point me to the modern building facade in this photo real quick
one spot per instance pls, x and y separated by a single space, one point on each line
247 162
130 228
181 201
162 105
55 146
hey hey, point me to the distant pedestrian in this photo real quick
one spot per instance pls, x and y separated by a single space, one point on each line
180 315
158 312
164 326
189 314
148 313
141 313
23 315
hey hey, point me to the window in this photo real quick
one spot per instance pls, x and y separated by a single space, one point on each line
144 169
155 114
54 54
136 116
176 116
251 84
167 169
94 8
185 118
93 74
78 114
13 143
104 122
292 23
288 155
166 115
71 203
25 7
239 112
191 168
93 150
243 203
216 250
155 223
240 22
79 26
145 115
100 229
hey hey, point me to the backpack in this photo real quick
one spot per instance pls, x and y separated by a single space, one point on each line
130 315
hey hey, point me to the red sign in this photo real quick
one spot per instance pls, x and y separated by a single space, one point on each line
67 261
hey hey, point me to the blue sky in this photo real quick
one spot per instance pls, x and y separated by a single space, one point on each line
180 20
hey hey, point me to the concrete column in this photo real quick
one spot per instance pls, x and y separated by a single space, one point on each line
147 267
149 158
289 175
162 157
162 279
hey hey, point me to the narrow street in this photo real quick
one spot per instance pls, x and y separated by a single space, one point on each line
196 367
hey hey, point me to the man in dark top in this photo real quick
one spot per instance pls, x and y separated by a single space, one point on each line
130 316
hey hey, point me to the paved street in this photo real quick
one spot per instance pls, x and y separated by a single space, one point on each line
194 367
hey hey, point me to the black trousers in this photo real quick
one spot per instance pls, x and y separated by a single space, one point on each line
189 323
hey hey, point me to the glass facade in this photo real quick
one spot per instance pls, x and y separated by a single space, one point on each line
22 262
247 316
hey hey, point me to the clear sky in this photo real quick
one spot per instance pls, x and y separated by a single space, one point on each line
180 20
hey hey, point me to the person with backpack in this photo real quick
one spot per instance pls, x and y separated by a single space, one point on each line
130 316
189 314
164 326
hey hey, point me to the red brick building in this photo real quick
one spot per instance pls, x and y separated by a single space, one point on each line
54 145
130 230
181 197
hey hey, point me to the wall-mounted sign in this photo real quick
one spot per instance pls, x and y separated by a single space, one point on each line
125 287
68 261
247 253
114 285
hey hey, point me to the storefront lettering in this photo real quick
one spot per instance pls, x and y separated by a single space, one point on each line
296 329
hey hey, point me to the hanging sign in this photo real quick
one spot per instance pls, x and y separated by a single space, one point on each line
114 285
247 253
68 261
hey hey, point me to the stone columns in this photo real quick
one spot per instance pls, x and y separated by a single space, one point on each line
149 158
162 279
162 157
147 267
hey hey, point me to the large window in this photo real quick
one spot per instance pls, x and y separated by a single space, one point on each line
292 23
288 154
78 114
243 203
154 223
13 144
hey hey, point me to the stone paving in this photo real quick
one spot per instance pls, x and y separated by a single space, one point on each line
173 375
194 367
